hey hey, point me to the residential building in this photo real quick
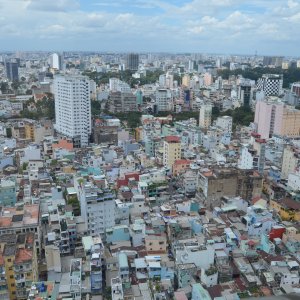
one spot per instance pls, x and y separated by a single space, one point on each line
163 100
245 161
20 261
15 220
97 207
225 123
287 208
290 161
214 184
156 244
172 150
205 114
8 193
73 108
295 88
272 117
117 233
75 278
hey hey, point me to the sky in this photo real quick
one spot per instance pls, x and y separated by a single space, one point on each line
268 27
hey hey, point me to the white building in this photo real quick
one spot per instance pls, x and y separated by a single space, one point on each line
205 115
56 61
73 108
294 181
163 100
245 161
190 251
97 207
225 123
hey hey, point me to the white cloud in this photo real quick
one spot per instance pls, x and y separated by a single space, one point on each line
53 5
221 23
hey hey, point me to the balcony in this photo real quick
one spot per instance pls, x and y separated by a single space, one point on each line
20 280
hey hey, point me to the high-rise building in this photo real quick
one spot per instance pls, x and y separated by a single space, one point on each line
163 100
122 102
172 150
276 118
270 84
244 92
12 70
272 61
73 108
132 61
56 61
205 115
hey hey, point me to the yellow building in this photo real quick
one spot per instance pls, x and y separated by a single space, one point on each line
29 131
172 150
288 209
186 80
20 263
290 122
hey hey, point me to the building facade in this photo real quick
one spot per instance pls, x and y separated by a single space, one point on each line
73 108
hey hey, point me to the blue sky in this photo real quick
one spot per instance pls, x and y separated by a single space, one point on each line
215 26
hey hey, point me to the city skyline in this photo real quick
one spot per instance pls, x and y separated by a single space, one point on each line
151 26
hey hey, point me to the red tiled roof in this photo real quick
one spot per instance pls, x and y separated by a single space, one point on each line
182 162
23 255
172 139
290 203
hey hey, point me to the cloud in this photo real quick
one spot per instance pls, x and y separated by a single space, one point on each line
152 25
53 5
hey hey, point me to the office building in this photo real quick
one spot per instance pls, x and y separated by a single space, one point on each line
132 61
12 70
73 108
122 102
172 150
56 61
244 92
205 115
271 84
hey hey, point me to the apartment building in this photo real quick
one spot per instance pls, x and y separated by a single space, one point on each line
19 263
172 150
97 206
73 108
205 114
